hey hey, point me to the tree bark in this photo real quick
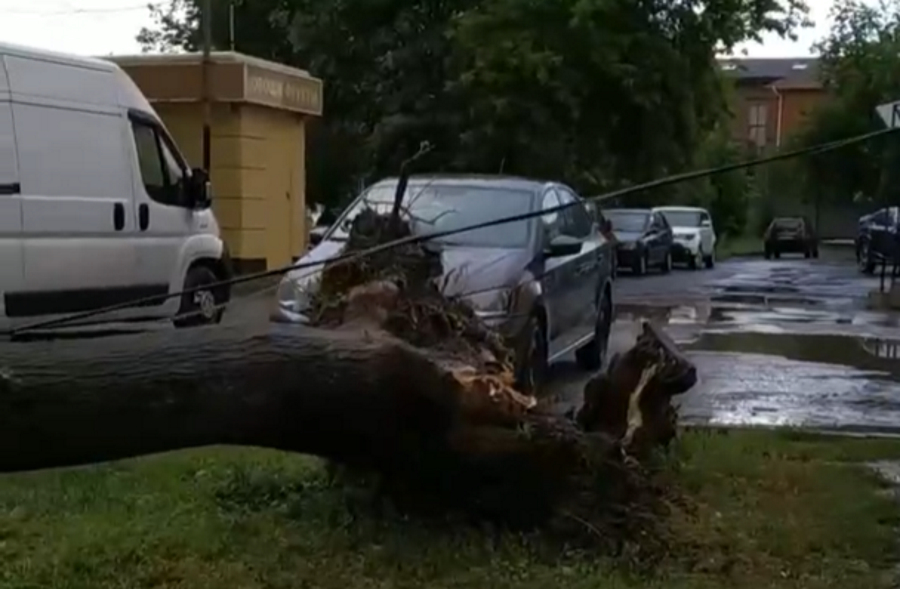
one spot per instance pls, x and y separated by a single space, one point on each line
355 395
631 401
432 427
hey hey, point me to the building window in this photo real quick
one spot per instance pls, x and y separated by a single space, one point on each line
756 124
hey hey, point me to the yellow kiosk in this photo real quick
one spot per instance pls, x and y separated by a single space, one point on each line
259 112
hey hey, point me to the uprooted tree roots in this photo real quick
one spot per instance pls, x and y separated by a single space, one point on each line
504 458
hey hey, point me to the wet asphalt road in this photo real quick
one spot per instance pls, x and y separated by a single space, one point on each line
781 342
784 342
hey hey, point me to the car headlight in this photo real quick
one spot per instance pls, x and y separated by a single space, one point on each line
291 296
691 237
491 303
294 298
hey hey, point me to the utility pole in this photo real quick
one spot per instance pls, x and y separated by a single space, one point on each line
206 20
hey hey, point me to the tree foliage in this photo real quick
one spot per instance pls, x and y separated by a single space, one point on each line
600 93
860 67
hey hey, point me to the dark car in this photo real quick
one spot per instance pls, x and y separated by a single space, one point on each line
786 235
644 239
877 239
543 283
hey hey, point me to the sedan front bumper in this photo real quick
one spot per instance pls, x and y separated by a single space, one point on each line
627 256
684 252
282 314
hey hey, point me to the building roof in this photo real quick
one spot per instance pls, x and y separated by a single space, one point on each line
186 58
234 77
783 72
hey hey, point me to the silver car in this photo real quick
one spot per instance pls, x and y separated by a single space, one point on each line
544 283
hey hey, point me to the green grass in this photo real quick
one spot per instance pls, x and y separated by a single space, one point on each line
740 245
769 510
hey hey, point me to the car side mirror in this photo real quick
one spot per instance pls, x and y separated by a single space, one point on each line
706 223
562 245
316 235
198 189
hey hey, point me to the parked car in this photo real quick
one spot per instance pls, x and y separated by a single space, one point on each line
644 239
97 204
878 239
790 235
695 237
544 283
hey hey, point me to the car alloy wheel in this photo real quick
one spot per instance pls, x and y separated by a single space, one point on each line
592 355
532 359
205 301
865 256
204 306
697 260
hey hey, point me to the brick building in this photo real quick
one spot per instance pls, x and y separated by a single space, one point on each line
772 97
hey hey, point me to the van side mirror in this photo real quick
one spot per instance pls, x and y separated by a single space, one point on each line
706 223
198 189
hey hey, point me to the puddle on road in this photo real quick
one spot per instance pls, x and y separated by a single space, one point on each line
801 380
764 289
765 299
865 354
741 314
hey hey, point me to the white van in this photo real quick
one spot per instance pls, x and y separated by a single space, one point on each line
97 205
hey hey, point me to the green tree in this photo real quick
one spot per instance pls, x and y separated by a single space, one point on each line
860 67
601 93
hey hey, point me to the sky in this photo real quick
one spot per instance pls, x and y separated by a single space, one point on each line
103 27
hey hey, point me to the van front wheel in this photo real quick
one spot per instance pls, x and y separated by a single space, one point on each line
202 306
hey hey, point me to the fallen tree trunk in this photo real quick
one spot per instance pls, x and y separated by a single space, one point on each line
348 395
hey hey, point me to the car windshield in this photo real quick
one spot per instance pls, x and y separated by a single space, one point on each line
682 218
787 223
435 207
627 220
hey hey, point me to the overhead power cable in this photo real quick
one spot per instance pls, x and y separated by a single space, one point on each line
413 239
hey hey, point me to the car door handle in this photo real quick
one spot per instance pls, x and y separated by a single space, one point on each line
584 269
143 217
118 216
11 188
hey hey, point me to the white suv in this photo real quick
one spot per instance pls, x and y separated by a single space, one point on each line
695 237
